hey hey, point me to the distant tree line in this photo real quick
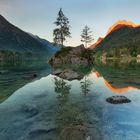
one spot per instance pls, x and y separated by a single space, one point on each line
14 55
130 50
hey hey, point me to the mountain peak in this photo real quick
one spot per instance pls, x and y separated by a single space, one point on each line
3 21
121 23
2 18
14 39
116 26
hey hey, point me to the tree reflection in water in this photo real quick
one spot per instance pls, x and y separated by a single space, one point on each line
71 116
85 86
63 90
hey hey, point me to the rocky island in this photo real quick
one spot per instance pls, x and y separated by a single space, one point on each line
72 56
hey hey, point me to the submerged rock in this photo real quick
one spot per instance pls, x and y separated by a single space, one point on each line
118 100
30 110
70 75
78 132
4 71
67 74
30 76
57 71
41 132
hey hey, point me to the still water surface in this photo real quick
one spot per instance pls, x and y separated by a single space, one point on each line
46 107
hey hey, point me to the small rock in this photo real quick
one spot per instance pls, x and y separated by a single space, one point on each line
78 132
4 71
74 133
41 131
67 74
57 72
70 75
118 100
30 76
30 110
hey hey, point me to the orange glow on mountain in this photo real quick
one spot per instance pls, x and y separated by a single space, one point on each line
112 88
121 23
97 42
118 25
118 90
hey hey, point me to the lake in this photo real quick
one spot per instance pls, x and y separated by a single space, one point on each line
36 105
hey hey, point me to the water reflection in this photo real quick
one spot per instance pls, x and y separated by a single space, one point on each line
120 77
63 90
54 108
118 90
71 117
85 85
14 75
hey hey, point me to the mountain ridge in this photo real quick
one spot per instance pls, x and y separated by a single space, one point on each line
14 39
121 24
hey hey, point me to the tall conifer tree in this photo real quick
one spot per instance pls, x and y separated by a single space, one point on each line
63 28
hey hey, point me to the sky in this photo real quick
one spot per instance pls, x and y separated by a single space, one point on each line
38 16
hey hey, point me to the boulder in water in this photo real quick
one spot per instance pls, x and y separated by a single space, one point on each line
78 132
68 74
118 100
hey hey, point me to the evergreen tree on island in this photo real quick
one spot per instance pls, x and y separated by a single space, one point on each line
63 28
86 36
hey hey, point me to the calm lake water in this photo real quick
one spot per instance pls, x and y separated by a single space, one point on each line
36 105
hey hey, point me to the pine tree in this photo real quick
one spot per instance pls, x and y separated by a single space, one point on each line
86 36
63 28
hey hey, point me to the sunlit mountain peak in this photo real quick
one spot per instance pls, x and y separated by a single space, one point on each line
121 23
117 25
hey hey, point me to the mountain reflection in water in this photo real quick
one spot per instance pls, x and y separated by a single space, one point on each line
57 109
14 75
120 76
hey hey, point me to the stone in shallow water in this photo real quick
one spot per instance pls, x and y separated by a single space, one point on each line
57 71
67 74
78 132
118 100
30 110
40 134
